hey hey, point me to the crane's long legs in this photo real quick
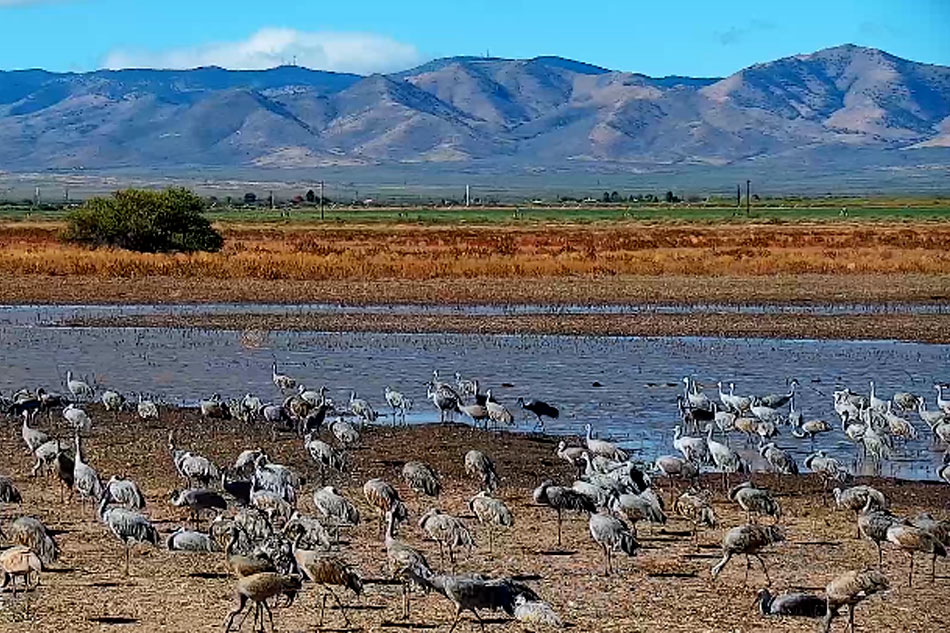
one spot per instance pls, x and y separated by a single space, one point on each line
340 604
127 556
458 616
270 616
910 576
764 569
559 527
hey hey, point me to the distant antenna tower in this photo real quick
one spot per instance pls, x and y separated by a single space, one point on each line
295 61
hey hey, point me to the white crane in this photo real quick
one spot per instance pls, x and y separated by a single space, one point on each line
281 381
78 388
77 418
603 447
727 460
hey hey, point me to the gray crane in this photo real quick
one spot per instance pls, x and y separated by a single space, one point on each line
259 588
326 458
384 498
79 389
492 513
422 478
198 500
780 461
125 492
185 540
406 563
796 605
562 499
362 409
748 540
446 530
9 493
32 533
696 509
313 534
335 508
638 507
612 535
913 539
873 524
85 478
193 467
127 526
850 589
755 501
33 438
478 464
856 497
398 402
327 571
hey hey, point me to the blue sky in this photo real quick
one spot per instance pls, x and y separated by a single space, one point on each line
699 38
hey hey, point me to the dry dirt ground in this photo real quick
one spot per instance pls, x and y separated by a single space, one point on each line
667 587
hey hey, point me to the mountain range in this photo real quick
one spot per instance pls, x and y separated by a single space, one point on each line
470 111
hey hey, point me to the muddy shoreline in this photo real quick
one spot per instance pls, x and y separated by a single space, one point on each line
929 328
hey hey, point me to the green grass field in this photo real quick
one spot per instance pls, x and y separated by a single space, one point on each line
767 211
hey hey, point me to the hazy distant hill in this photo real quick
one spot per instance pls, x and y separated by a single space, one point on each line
547 110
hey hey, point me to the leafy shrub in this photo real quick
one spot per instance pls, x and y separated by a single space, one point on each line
144 221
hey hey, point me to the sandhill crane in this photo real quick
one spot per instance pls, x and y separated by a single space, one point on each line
726 460
383 498
876 404
603 447
193 467
476 412
465 387
856 498
77 418
85 478
323 454
445 399
562 499
327 571
198 500
693 397
345 433
694 449
875 445
776 401
912 540
536 613
112 400
940 530
873 524
540 409
478 464
497 412
732 402
755 501
274 506
184 540
398 402
259 588
33 438
362 409
942 404
20 562
45 455
9 493
748 540
446 530
570 454
905 401
810 429
472 592
422 478
613 535
128 526
828 468
281 381
676 467
243 565
405 562
490 512
636 508
696 509
849 589
214 407
311 397
147 409
125 492
802 605
694 418
930 418
65 472
277 478
78 388
30 532
779 460
335 508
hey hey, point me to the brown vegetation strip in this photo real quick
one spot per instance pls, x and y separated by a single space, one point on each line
927 328
575 290
300 253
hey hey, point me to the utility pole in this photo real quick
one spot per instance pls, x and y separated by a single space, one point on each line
321 200
468 195
36 196
738 196
271 197
748 197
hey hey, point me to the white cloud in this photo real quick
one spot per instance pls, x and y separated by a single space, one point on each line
362 53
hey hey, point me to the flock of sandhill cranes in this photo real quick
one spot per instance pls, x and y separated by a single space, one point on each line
272 547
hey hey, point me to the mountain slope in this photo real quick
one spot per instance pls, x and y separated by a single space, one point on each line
546 110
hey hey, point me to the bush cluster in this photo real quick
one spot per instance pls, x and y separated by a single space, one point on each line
144 221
